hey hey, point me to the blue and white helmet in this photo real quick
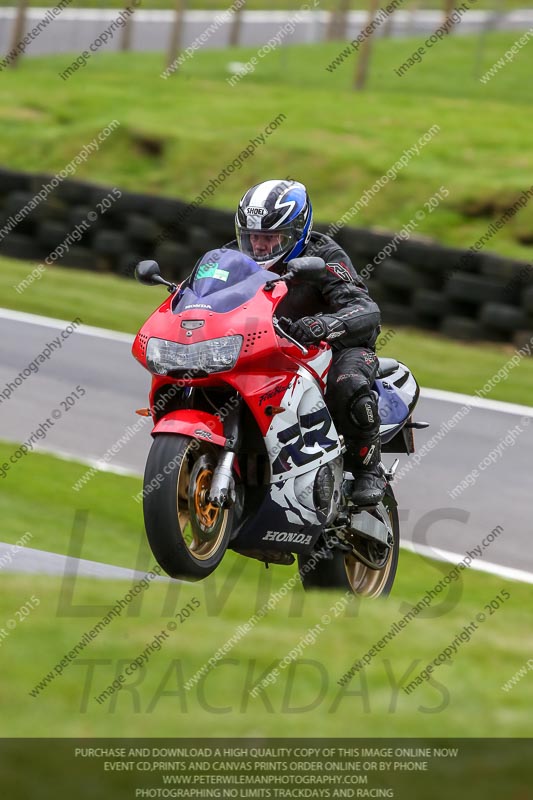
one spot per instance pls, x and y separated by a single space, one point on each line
281 212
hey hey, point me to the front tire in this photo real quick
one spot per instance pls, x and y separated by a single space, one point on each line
347 572
187 534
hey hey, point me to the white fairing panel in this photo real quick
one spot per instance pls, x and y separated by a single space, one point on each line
398 394
299 441
321 363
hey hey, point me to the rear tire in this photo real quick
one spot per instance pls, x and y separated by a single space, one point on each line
187 535
345 571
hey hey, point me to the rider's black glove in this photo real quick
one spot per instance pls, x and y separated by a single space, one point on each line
314 329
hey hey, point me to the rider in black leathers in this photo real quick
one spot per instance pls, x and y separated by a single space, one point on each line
273 224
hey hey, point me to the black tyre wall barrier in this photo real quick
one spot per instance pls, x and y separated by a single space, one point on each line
421 283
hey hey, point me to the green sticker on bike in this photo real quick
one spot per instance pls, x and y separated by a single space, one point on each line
211 270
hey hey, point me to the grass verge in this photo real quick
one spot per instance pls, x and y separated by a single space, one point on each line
173 135
462 698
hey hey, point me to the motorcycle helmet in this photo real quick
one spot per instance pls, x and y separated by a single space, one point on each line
273 221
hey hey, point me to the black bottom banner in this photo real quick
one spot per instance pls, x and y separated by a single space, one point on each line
439 769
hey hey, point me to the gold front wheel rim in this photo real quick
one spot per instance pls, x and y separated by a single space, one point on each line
202 524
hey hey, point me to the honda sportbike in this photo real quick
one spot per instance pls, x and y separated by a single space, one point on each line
245 454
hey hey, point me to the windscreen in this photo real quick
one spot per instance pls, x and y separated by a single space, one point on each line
223 280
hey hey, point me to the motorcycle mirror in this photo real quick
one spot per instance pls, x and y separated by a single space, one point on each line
147 272
307 268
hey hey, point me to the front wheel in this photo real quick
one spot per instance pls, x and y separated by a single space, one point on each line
348 572
187 534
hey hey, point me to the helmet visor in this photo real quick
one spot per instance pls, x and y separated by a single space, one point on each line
265 246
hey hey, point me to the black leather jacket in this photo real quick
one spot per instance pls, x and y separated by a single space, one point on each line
341 293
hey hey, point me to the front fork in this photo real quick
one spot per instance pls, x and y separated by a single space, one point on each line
222 491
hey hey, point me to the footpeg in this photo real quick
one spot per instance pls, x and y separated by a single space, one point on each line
389 474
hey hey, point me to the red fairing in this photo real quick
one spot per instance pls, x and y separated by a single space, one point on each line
267 391
266 365
193 423
159 321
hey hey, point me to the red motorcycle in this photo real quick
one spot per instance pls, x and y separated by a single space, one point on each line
245 453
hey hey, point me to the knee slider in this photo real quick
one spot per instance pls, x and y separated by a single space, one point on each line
364 411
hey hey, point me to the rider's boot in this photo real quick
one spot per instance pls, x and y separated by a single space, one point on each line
363 456
363 460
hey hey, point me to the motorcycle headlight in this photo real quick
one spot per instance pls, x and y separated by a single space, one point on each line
214 355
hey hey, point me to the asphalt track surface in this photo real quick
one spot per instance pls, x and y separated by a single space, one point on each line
30 561
116 385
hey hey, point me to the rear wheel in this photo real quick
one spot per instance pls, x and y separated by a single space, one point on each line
187 534
368 571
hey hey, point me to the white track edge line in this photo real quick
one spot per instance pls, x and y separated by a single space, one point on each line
59 324
104 333
482 566
476 402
